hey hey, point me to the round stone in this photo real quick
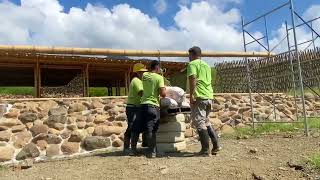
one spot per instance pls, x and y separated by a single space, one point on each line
69 148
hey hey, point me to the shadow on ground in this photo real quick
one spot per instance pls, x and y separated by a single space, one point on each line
143 152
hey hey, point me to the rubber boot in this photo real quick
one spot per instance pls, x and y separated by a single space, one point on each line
204 140
214 139
151 152
144 139
126 144
134 142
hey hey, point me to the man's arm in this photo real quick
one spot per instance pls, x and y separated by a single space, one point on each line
192 84
163 92
192 76
161 86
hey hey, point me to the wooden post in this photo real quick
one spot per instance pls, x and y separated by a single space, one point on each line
86 79
126 83
35 75
119 88
84 84
37 80
109 91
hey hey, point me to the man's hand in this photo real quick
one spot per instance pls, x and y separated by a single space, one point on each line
163 92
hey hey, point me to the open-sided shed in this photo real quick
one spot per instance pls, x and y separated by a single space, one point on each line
39 70
41 66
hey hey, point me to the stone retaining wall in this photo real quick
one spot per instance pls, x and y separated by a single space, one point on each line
44 128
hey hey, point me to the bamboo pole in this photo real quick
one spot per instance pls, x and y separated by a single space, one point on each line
124 52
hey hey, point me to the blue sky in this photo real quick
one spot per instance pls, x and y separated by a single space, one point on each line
248 8
211 24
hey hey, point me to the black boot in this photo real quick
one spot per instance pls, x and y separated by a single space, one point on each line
204 140
144 139
214 139
134 142
126 144
151 152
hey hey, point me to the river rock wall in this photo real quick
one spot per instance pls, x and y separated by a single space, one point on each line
46 128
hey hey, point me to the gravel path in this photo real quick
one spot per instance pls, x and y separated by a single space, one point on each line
266 157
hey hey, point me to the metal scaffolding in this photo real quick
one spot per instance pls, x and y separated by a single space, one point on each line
293 53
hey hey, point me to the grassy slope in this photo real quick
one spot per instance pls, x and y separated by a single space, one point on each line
314 161
17 90
269 128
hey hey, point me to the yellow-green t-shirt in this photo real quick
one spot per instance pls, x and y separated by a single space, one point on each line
134 88
202 71
152 82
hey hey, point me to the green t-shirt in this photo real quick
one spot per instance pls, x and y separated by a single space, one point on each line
152 82
202 71
134 88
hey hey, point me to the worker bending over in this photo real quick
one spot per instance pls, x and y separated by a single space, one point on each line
153 88
201 96
133 109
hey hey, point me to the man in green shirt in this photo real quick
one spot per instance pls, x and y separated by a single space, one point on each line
201 95
133 109
153 85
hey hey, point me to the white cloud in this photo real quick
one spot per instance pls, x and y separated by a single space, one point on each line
208 26
219 3
43 22
311 13
160 6
303 32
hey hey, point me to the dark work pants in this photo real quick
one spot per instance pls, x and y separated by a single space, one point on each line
150 118
133 115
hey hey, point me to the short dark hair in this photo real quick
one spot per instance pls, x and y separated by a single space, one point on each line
154 64
195 50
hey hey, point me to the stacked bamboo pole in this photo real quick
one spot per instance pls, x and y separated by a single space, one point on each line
123 52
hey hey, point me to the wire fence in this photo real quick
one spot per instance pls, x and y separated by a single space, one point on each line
267 75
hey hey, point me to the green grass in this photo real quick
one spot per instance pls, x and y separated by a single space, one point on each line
272 128
98 91
314 161
17 90
103 91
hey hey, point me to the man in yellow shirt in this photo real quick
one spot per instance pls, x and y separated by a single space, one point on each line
153 88
201 95
133 109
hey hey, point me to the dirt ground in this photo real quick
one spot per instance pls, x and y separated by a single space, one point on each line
264 157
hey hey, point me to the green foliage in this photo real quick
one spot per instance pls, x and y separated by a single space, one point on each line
179 79
17 90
